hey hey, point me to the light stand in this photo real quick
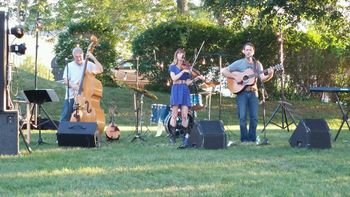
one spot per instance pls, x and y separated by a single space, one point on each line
37 29
220 79
283 105
9 118
38 26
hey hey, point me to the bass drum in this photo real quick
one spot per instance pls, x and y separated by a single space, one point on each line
179 128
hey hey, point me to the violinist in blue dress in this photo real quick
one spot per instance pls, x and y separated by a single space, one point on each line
180 74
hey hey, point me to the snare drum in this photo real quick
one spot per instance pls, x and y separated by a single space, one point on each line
196 101
159 112
179 127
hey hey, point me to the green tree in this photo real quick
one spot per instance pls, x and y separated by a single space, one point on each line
163 40
80 34
126 17
235 12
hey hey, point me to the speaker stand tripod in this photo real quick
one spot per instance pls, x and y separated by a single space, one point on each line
283 105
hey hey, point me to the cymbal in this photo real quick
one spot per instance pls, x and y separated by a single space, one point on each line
212 84
206 93
209 84
151 96
136 89
143 91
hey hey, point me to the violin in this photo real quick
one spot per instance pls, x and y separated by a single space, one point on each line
187 66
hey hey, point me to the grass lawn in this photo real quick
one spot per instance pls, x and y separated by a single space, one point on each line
156 168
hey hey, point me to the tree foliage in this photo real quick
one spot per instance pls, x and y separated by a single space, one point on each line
163 40
331 13
316 35
80 34
127 18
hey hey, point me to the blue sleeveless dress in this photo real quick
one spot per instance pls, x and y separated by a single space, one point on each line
180 93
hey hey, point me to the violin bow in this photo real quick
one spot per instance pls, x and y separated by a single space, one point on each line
196 56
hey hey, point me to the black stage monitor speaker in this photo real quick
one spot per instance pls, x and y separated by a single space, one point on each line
81 134
209 134
9 144
311 133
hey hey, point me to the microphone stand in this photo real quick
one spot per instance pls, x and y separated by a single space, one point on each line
264 95
68 96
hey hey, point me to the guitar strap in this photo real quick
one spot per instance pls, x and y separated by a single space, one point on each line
256 71
262 85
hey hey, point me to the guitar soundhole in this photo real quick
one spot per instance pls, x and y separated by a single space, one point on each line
245 78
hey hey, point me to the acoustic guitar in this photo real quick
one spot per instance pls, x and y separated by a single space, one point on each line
245 78
112 131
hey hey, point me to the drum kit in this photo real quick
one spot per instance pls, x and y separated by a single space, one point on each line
162 112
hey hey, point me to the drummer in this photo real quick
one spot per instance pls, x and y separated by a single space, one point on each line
180 95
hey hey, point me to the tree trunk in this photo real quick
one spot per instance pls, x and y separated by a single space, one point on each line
182 6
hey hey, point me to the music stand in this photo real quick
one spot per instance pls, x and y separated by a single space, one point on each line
38 97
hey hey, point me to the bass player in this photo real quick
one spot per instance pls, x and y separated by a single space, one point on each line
72 75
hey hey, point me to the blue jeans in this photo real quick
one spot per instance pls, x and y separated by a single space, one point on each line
67 109
247 102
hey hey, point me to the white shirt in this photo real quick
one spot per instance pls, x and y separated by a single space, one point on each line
75 73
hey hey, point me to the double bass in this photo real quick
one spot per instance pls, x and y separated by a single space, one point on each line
87 100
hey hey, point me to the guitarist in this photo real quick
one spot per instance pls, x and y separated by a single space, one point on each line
247 99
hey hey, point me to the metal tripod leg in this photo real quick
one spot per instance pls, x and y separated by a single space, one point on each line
340 128
345 117
284 112
24 140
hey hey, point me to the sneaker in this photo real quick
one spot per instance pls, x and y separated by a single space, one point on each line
232 143
183 146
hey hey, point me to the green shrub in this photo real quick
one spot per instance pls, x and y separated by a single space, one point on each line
79 34
162 41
